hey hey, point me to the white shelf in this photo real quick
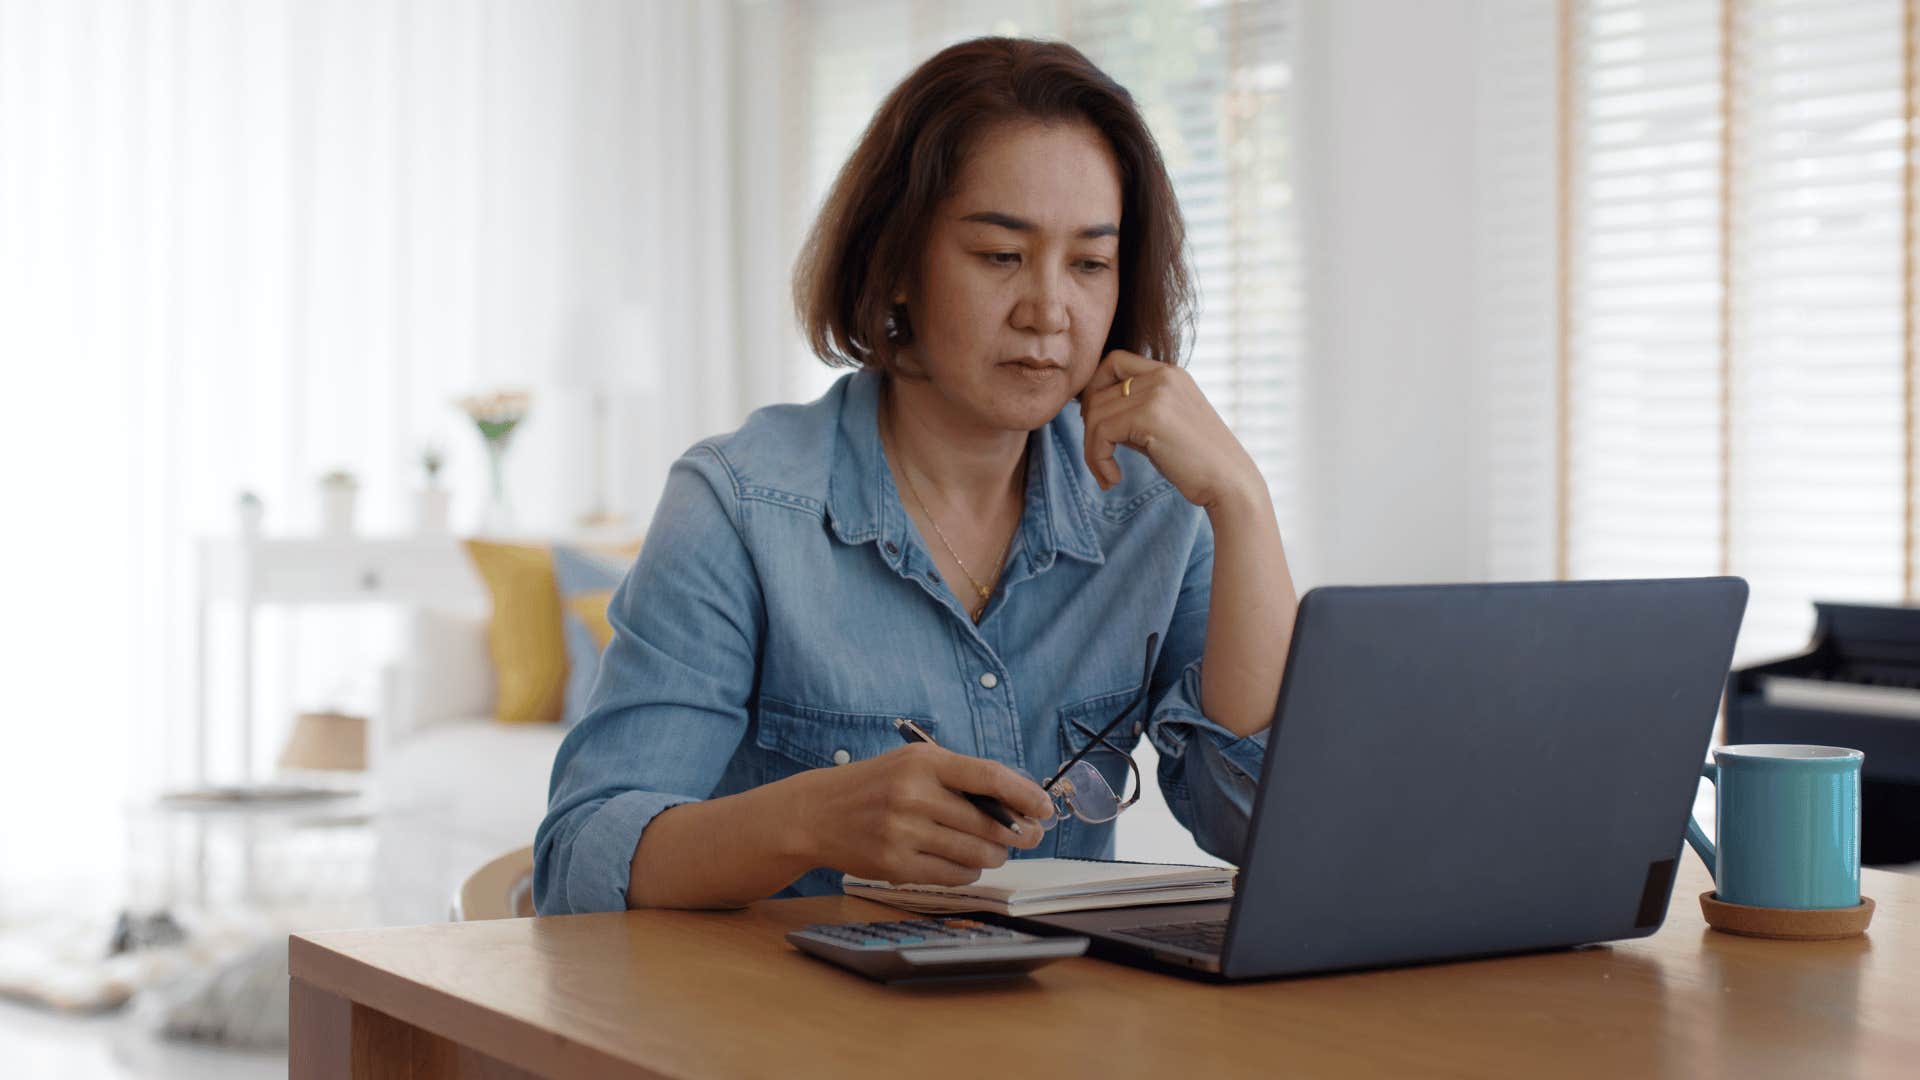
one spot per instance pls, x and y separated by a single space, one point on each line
401 571
404 570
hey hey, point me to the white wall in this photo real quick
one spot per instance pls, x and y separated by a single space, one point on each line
1388 159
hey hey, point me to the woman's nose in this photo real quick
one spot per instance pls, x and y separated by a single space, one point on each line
1043 310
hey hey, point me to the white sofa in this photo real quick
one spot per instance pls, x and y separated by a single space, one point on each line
453 787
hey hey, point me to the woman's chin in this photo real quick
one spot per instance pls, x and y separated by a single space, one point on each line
1022 403
1030 410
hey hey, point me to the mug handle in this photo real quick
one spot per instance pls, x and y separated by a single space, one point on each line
1697 837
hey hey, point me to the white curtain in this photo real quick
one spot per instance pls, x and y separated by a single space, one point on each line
243 242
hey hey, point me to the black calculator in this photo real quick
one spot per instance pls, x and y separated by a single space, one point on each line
932 949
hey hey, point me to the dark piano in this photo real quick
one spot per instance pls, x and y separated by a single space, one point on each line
1857 685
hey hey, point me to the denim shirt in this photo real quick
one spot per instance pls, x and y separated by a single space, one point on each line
784 611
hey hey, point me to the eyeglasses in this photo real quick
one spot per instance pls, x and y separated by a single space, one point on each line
1081 789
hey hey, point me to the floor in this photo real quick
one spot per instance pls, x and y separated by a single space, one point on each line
312 878
35 1044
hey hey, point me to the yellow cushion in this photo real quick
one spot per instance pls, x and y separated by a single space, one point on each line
591 609
528 646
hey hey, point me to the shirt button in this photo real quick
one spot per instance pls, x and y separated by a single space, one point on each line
989 680
1139 726
892 549
841 757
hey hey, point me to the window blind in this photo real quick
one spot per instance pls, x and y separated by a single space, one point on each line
1215 82
1644 483
1737 268
1819 430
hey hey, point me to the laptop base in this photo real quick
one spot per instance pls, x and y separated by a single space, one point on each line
1102 926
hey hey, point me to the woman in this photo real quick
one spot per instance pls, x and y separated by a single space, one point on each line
952 535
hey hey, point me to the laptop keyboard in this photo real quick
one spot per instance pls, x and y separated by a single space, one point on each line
1207 936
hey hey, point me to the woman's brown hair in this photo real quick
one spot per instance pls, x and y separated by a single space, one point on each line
877 215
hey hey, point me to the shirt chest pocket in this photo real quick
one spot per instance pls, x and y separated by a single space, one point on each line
815 738
1081 721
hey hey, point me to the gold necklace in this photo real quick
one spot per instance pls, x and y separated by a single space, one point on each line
985 591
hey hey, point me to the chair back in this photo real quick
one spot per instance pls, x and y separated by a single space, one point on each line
501 889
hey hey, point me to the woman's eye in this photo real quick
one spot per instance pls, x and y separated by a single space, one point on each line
1012 258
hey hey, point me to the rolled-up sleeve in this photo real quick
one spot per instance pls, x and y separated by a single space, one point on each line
1207 773
669 704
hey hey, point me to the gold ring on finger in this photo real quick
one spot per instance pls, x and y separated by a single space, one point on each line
1126 387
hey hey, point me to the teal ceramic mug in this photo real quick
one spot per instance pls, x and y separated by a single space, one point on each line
1789 825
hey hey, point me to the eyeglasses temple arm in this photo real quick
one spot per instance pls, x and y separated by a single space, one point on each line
1146 677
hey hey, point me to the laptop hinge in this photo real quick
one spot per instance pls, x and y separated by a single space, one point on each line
1653 895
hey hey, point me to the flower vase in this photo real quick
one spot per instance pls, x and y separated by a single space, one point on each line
498 518
496 416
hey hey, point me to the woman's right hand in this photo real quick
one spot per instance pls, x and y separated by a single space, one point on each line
901 817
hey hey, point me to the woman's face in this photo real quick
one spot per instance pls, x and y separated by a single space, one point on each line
1017 286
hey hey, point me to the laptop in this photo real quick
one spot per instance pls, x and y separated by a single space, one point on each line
1461 771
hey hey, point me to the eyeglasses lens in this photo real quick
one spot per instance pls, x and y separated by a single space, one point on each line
1084 793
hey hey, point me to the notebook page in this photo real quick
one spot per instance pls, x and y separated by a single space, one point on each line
1026 879
942 903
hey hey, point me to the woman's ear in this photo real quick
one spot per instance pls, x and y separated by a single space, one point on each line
899 328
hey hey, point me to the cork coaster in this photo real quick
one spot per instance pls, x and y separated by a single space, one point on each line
1793 924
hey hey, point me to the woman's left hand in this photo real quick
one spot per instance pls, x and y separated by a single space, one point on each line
1163 414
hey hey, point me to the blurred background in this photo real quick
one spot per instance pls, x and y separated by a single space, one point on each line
327 324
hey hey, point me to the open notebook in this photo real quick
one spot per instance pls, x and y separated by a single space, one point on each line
1046 886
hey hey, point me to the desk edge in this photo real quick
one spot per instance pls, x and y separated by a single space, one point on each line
468 1023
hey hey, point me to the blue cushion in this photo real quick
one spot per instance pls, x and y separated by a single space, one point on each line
583 576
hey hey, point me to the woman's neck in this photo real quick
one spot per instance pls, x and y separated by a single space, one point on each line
971 468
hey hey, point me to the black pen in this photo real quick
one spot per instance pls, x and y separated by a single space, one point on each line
910 732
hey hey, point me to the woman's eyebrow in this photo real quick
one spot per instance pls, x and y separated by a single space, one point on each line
1008 221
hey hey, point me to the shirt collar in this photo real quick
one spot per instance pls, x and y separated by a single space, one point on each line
862 506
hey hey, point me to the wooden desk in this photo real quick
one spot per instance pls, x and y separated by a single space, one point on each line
665 993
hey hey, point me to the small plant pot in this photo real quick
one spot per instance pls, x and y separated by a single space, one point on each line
336 510
430 511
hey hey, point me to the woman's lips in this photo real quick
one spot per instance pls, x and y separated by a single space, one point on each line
1034 373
